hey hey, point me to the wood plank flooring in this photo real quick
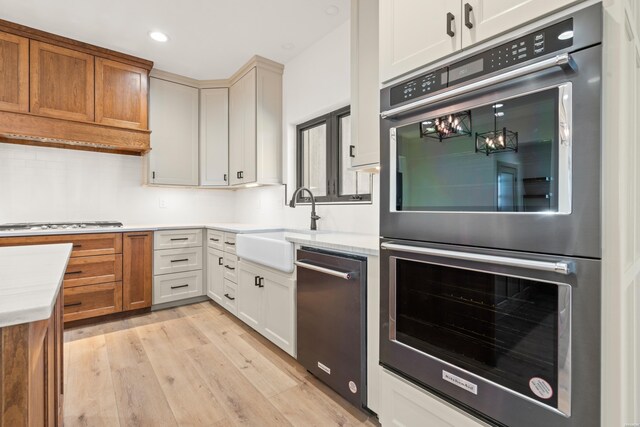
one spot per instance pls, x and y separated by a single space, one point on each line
194 365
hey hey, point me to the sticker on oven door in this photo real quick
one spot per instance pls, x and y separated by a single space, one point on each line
460 382
540 388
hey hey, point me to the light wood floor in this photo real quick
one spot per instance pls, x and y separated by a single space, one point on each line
194 365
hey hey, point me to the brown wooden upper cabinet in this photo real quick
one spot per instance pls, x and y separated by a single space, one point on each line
121 94
14 72
62 82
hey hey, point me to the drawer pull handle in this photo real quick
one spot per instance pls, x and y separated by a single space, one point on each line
231 298
73 304
180 286
256 281
77 246
180 260
136 235
228 267
74 272
179 238
213 239
229 243
220 260
261 282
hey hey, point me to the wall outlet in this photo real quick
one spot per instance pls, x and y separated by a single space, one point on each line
162 203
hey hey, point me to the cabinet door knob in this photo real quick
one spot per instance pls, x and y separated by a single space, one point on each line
450 29
467 15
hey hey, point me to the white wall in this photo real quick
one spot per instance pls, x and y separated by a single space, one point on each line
51 184
315 82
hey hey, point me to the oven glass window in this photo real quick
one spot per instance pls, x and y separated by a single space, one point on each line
504 329
501 157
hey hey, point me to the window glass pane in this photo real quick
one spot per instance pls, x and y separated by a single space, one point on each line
351 183
314 158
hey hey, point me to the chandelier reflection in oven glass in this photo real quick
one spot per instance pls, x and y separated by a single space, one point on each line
497 140
458 124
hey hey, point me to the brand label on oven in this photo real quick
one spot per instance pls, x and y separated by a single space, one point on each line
541 388
460 382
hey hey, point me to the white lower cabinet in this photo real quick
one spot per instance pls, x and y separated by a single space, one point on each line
266 302
230 294
177 265
215 274
405 404
177 286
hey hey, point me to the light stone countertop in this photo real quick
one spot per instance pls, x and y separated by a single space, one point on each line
30 279
223 226
366 244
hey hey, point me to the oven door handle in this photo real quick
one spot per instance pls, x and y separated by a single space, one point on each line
556 61
565 268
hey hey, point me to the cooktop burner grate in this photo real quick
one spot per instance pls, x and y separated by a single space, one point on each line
59 225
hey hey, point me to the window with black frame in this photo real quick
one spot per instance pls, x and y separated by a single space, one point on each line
323 161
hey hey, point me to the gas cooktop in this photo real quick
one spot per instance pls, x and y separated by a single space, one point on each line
59 225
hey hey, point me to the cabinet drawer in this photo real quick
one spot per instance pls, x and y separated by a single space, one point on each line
83 302
229 297
91 270
230 242
177 260
215 239
231 267
169 239
83 244
177 286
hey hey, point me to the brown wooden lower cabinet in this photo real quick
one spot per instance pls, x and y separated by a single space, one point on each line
82 302
137 281
31 372
107 272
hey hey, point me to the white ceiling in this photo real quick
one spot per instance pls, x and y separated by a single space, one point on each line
209 39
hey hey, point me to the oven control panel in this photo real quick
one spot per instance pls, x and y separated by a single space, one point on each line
542 42
423 85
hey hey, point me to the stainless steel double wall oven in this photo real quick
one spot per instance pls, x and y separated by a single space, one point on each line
490 217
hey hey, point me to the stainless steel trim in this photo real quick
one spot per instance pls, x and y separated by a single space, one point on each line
340 274
565 112
558 60
564 339
555 267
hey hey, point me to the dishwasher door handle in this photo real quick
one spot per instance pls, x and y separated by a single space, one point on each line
340 274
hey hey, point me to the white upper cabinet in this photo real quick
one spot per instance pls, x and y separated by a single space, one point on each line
214 137
242 129
488 18
173 120
255 125
365 95
416 32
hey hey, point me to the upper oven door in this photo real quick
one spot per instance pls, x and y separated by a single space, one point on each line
511 165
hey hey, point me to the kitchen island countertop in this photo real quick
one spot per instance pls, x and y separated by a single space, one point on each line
30 279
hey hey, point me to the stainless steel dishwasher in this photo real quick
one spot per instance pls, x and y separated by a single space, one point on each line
331 300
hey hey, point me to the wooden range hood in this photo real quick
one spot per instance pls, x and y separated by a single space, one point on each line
59 92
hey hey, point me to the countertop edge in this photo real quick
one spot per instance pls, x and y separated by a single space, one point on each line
356 249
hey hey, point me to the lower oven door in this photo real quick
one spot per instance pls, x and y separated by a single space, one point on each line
513 337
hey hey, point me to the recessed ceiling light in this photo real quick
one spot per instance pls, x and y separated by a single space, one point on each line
288 46
158 36
566 35
332 10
